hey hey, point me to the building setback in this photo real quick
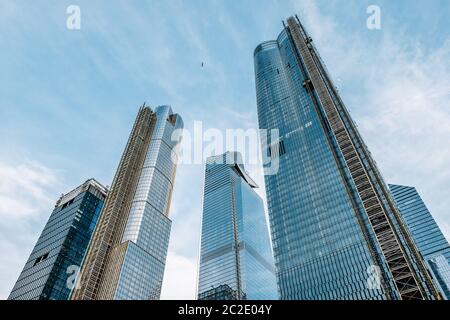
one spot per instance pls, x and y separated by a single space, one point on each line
336 231
236 261
426 233
60 249
127 256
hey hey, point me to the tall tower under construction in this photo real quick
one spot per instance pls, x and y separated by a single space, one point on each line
336 231
126 257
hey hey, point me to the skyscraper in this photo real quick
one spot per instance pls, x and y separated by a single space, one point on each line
426 234
126 258
236 258
60 249
336 232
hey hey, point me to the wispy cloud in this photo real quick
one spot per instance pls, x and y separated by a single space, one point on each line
179 278
24 189
407 122
398 91
66 97
27 195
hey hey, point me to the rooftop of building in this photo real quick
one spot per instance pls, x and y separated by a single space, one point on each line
92 182
233 159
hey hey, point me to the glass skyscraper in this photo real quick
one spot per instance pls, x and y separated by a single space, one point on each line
126 258
426 234
236 260
60 249
336 231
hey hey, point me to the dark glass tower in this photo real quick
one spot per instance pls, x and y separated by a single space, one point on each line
127 256
62 245
236 260
335 228
426 234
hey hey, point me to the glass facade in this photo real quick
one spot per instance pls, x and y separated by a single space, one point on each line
222 292
148 225
127 258
62 245
330 214
141 275
236 257
427 236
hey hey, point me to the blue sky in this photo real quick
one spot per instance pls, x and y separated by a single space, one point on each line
68 98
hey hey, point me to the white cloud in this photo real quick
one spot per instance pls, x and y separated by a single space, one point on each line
179 278
14 258
411 110
406 121
27 192
445 227
402 100
24 189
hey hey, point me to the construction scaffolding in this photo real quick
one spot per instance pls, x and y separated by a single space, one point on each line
106 250
372 191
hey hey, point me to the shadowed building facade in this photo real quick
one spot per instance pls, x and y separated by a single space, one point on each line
60 249
336 231
236 260
126 258
426 234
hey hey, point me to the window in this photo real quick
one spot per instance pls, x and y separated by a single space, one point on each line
41 258
172 119
308 85
68 203
276 149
